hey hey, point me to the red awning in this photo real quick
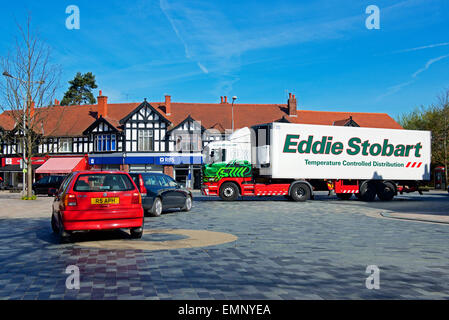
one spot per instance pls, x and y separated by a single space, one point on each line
62 165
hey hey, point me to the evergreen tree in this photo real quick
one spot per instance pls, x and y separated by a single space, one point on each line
80 90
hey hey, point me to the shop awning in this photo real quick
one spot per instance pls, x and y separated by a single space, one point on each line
16 168
62 165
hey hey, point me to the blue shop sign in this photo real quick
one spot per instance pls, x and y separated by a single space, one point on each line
158 160
173 160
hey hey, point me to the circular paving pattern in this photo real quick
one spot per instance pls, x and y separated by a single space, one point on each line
185 239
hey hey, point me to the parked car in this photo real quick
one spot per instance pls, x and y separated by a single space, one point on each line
160 192
48 185
97 200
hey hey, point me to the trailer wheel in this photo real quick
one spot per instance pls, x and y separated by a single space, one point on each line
229 191
367 191
300 192
386 191
344 196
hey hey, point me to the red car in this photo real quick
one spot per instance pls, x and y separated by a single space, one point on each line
97 200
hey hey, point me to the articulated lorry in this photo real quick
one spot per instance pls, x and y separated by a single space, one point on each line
295 160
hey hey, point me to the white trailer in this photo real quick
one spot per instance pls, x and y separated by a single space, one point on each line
289 158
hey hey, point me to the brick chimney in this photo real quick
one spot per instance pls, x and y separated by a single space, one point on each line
292 105
32 109
225 99
56 102
167 105
221 99
102 105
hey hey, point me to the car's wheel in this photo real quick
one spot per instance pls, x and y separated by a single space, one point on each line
300 192
229 191
386 191
187 204
64 236
344 196
156 210
54 224
367 191
136 233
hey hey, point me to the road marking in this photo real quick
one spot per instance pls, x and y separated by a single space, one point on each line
196 238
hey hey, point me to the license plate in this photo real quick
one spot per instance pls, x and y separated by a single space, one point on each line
105 200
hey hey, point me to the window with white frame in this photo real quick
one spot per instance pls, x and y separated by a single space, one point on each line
186 142
145 140
105 142
65 145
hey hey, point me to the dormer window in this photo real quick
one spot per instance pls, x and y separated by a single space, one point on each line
105 142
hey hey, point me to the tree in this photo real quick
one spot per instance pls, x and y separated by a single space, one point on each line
29 83
80 90
434 118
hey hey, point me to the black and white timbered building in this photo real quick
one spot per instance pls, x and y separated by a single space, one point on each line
157 136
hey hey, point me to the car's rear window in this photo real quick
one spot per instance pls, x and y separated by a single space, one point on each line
103 182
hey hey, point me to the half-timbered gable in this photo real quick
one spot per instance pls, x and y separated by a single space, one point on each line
102 136
145 129
186 136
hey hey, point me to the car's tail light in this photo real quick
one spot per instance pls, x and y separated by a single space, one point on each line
136 198
70 200
142 188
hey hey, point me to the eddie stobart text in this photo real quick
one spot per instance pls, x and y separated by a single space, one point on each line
354 146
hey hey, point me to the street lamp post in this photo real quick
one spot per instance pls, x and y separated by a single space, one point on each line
232 111
26 107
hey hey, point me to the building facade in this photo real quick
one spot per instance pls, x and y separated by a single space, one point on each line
154 136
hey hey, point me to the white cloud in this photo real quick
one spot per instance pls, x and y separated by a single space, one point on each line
394 89
424 47
428 64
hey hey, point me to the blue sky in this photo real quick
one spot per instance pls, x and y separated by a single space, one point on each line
197 51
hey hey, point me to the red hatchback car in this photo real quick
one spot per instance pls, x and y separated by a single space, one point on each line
97 200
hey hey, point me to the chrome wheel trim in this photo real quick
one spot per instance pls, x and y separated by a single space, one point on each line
189 203
158 207
300 191
228 192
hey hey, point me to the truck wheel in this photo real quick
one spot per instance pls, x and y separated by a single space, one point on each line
367 191
386 191
300 192
344 196
229 191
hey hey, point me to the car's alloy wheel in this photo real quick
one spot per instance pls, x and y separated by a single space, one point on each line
156 210
187 204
